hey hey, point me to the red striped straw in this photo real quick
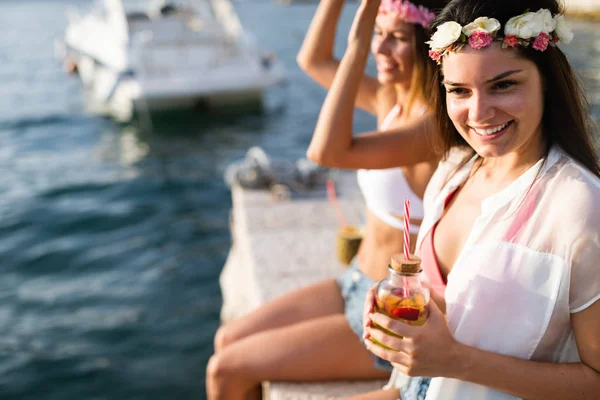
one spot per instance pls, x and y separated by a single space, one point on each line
407 229
334 202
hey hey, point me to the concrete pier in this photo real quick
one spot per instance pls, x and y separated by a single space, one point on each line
279 246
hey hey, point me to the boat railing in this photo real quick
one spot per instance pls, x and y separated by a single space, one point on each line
226 14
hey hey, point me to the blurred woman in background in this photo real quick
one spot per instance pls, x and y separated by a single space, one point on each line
315 333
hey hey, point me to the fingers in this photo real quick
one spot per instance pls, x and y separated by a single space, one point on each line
398 327
370 301
392 356
394 343
369 308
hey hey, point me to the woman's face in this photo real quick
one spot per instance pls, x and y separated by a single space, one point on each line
393 48
495 100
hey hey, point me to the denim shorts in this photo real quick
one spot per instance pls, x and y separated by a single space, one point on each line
354 286
415 389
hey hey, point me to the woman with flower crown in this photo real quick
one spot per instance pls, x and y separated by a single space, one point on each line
315 333
511 233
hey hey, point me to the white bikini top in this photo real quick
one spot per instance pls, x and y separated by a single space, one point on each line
385 190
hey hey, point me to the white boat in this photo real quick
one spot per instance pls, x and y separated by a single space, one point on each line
146 55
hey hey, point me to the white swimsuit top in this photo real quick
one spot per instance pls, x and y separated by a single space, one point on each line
385 190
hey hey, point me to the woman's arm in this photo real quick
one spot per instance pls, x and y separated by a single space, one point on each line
333 145
431 350
316 54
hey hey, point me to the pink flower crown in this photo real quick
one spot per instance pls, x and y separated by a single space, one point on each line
407 11
539 29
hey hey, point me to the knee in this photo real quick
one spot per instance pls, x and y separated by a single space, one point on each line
224 337
224 377
214 369
216 376
214 380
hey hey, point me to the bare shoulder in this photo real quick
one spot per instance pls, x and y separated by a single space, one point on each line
570 200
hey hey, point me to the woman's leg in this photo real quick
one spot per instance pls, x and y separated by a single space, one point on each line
322 348
384 394
314 301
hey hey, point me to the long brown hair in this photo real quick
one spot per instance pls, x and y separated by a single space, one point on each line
566 121
422 79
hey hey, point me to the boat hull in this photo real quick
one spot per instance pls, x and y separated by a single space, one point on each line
163 63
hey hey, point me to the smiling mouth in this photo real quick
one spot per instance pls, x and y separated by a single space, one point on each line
492 131
386 66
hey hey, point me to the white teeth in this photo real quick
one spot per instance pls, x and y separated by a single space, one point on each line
385 65
491 131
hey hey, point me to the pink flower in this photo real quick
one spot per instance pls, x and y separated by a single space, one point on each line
479 40
511 41
541 42
407 11
435 55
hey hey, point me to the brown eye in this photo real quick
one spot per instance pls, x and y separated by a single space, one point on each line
456 91
504 85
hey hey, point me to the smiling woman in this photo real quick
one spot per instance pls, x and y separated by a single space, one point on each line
495 102
563 103
511 226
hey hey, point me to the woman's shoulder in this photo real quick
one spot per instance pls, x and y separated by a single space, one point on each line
570 177
572 191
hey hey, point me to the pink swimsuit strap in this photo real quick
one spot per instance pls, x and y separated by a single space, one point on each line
430 265
429 262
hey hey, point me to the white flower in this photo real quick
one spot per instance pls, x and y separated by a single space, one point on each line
548 22
564 33
525 26
445 35
482 24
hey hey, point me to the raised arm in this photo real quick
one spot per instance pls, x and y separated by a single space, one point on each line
316 54
333 144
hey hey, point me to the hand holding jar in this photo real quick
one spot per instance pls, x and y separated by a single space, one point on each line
405 328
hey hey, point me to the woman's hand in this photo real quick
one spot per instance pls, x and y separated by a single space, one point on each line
362 26
428 350
368 309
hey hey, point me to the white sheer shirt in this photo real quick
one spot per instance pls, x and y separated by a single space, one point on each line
532 258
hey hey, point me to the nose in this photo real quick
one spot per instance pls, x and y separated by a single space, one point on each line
481 108
381 46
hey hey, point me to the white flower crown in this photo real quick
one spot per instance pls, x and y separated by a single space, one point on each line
539 29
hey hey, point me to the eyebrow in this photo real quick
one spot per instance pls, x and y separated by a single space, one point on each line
494 79
399 30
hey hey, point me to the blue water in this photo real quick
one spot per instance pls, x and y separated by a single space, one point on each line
112 237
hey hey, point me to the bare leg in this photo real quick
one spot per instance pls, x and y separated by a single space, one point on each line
384 394
323 348
314 301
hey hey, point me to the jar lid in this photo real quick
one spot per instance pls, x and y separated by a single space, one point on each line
402 265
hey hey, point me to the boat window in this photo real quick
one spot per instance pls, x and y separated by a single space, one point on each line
137 16
168 9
